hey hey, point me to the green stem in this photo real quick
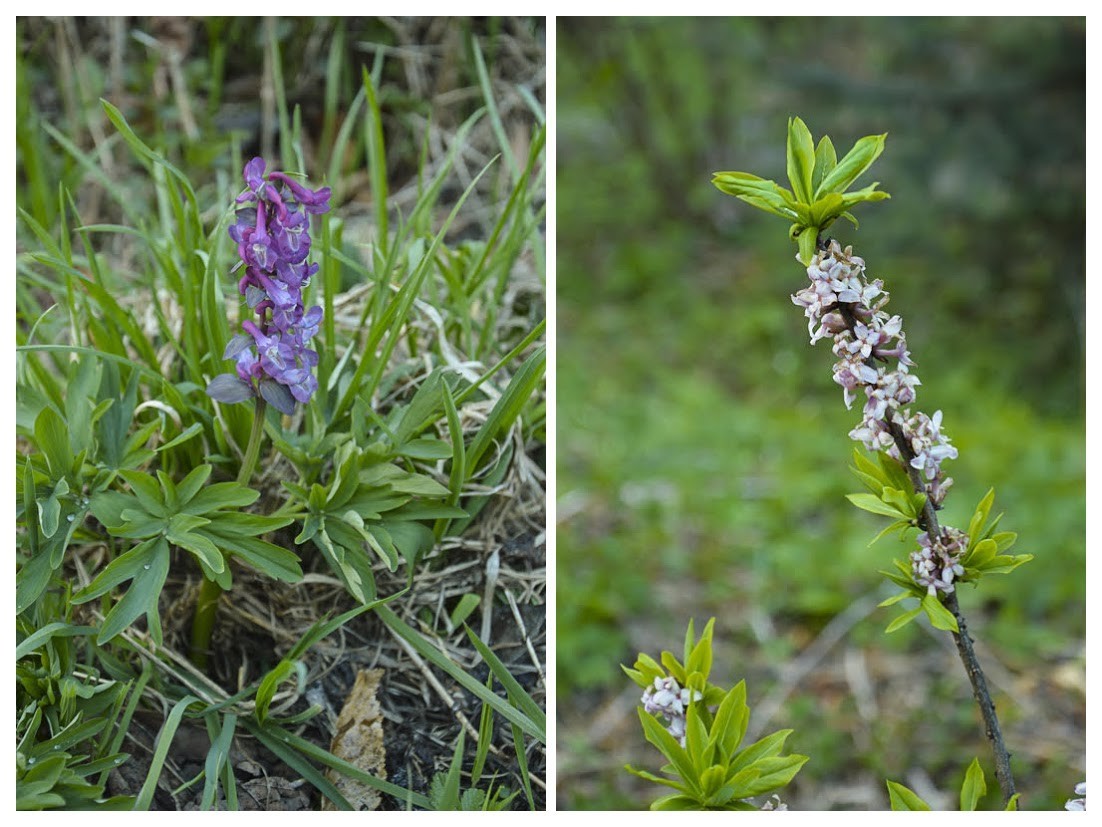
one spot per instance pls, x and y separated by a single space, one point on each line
207 604
253 451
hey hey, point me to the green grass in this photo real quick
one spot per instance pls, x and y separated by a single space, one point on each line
431 377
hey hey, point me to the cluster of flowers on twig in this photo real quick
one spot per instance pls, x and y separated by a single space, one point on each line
841 303
272 356
936 564
667 698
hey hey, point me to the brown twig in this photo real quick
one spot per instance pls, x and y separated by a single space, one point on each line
963 641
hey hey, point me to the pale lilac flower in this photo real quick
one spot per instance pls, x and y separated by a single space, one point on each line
1078 804
841 303
936 563
670 700
774 803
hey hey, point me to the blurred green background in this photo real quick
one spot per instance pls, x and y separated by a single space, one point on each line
702 448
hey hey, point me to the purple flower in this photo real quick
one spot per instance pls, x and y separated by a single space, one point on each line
271 358
311 200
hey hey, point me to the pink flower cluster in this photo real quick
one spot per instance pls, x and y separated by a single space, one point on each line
936 564
872 356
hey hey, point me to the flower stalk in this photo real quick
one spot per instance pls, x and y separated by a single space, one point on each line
842 305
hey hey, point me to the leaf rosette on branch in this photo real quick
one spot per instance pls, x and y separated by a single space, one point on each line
819 183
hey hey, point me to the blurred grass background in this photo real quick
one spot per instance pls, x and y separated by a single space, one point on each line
702 448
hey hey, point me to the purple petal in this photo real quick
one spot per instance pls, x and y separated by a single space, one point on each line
254 173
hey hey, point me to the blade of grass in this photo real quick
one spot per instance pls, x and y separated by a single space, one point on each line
302 749
521 699
160 752
376 160
491 107
395 315
430 652
221 737
508 407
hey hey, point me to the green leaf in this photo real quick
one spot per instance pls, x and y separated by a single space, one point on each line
191 484
869 193
825 210
32 580
898 525
147 491
904 619
48 632
826 159
940 617
774 773
272 560
431 653
696 738
856 161
981 554
801 159
1005 563
974 786
765 195
425 448
732 719
124 567
49 513
700 658
657 735
891 601
463 609
152 562
51 434
979 517
676 803
657 779
870 502
901 500
807 241
768 747
266 690
206 552
192 430
517 695
220 495
903 799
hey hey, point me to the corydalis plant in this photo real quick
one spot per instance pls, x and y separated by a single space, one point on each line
906 482
273 362
272 356
703 730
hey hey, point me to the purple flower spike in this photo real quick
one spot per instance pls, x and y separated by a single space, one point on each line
272 360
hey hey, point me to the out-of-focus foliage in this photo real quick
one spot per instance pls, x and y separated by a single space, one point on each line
702 445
